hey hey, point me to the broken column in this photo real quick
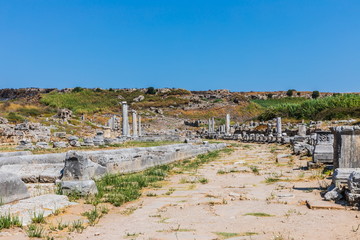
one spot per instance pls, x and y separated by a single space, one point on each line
134 123
209 127
112 123
346 146
139 126
212 125
302 130
323 150
227 126
125 120
278 127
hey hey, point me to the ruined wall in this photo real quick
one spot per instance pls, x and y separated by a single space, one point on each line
346 146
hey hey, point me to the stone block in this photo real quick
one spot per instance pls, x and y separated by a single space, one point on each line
79 167
11 188
346 146
323 150
85 187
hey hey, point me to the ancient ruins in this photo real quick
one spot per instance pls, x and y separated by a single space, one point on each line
43 166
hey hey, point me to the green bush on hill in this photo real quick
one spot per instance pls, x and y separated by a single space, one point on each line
337 106
84 101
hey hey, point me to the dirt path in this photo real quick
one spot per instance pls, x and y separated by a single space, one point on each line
247 196
226 205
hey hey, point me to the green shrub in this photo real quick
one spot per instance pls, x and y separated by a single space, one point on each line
315 94
290 92
77 89
15 118
151 90
33 112
8 221
317 109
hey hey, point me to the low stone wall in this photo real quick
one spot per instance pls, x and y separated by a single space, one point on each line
89 165
33 159
12 154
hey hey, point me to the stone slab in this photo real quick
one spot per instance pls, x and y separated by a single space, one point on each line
45 204
324 205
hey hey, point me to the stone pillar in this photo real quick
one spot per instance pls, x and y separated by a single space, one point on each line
139 126
125 119
209 127
112 122
346 146
227 126
302 130
134 123
278 127
213 124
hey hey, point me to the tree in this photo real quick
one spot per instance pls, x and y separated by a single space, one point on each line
290 92
151 90
315 94
77 89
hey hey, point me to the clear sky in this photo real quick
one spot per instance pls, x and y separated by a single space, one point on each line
239 45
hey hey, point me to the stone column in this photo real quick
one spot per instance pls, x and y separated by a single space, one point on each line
139 126
227 126
346 146
278 127
302 130
112 122
125 119
213 124
134 123
209 127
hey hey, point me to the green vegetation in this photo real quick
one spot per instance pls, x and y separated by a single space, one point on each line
35 231
77 226
290 92
82 101
338 106
226 235
93 216
151 90
118 189
8 221
315 94
14 118
259 214
272 102
38 218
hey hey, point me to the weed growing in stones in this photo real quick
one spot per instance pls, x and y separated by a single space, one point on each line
259 214
8 221
225 235
77 226
170 191
93 216
38 217
35 231
151 194
255 170
203 180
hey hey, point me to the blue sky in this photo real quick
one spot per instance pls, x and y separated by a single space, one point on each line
239 45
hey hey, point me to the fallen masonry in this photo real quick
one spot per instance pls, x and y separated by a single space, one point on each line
85 166
11 188
77 169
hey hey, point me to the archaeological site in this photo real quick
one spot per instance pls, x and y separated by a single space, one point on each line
178 164
179 120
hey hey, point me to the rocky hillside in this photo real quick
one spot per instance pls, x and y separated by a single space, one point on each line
159 108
